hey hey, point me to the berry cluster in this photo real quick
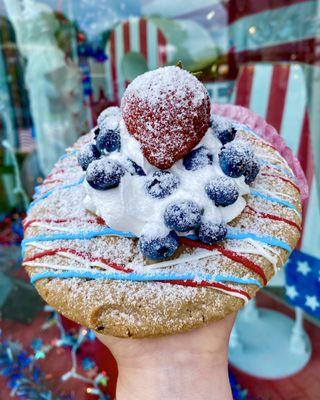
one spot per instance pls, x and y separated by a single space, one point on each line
236 159
168 112
103 173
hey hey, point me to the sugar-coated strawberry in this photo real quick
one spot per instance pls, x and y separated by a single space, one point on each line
168 111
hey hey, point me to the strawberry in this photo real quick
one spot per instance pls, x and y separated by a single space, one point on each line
168 111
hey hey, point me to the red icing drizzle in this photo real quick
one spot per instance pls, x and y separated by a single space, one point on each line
49 182
210 284
122 268
105 261
274 217
283 179
62 171
229 254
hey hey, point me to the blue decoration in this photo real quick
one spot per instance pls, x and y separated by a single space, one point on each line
274 200
223 128
159 248
234 158
161 184
252 170
88 363
50 192
238 393
23 378
302 282
90 50
88 154
182 216
211 233
108 140
104 174
226 135
222 191
36 344
198 158
143 277
133 168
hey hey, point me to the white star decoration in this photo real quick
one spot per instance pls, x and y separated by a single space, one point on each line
312 302
291 292
303 267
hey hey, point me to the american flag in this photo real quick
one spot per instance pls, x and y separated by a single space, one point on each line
27 143
303 282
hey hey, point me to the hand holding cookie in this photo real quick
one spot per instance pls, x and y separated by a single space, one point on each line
176 366
163 218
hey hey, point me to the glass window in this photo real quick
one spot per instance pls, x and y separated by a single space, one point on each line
63 61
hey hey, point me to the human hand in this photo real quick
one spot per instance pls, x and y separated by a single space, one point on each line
191 365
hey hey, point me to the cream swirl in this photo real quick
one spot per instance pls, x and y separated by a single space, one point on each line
130 208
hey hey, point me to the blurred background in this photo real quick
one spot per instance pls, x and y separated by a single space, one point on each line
61 63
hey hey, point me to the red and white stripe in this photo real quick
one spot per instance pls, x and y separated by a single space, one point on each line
277 92
26 141
135 35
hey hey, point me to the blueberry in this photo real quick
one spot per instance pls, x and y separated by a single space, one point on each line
235 157
108 112
223 128
104 174
252 171
96 132
227 135
133 168
108 140
158 248
222 191
210 232
197 158
161 184
88 154
182 215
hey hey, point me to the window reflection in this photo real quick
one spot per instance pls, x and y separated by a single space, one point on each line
63 61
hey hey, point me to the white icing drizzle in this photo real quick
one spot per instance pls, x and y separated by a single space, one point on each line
52 227
67 268
270 157
258 249
197 255
281 195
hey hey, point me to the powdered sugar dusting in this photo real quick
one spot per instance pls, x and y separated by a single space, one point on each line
67 206
168 112
155 86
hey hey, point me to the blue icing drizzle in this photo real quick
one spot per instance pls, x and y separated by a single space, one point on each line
143 277
56 189
278 167
245 128
274 200
74 236
270 240
66 155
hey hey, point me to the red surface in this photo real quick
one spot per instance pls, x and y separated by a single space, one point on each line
305 156
143 38
244 85
297 51
277 97
113 67
305 385
58 361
